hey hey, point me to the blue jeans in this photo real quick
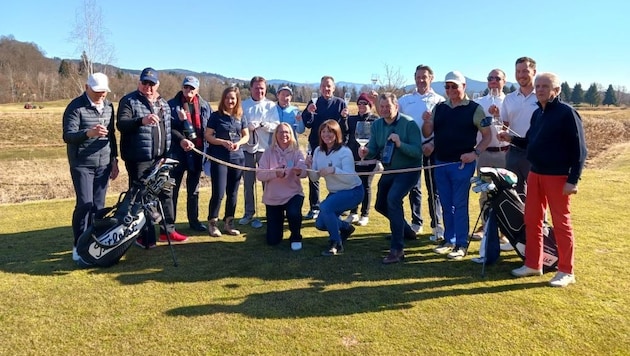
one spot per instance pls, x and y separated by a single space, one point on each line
333 206
453 184
225 181
392 189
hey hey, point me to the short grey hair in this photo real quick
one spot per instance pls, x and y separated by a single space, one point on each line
555 80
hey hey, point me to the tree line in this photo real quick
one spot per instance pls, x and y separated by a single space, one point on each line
27 75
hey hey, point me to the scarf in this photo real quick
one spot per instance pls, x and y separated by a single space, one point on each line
195 119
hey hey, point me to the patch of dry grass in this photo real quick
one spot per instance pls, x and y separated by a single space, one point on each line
32 152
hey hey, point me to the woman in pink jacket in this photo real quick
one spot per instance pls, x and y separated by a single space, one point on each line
282 166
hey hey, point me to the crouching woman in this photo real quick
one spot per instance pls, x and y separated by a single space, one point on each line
335 162
281 168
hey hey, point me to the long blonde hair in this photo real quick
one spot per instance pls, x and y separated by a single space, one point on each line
292 142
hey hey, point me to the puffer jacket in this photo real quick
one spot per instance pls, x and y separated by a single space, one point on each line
78 118
141 143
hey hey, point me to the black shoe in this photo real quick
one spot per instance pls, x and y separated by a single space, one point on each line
410 237
407 237
334 248
197 226
345 233
394 256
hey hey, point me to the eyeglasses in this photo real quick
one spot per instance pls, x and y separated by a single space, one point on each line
452 86
148 82
362 103
188 87
491 78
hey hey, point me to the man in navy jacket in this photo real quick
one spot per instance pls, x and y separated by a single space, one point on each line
88 131
556 149
144 121
327 106
188 107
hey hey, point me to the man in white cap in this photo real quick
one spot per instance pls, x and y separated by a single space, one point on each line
189 114
454 125
88 131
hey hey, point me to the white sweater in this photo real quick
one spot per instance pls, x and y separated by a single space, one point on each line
260 112
343 161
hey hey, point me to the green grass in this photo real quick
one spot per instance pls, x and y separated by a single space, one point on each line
235 295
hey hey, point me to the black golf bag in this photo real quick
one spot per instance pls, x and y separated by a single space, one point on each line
508 209
113 230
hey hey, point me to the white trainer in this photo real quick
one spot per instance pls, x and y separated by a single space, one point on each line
444 248
562 279
525 271
416 228
363 221
352 218
75 255
296 246
506 247
457 254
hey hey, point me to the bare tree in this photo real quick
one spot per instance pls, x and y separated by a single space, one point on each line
393 81
89 34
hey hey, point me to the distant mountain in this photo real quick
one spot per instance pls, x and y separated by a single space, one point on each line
471 85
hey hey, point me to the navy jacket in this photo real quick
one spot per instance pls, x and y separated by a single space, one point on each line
326 109
141 143
555 141
78 118
177 126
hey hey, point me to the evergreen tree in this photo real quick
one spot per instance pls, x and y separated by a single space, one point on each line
592 95
85 65
610 98
577 96
65 68
271 89
565 92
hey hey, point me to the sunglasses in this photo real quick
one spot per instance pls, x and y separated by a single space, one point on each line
188 87
148 82
362 103
491 78
451 86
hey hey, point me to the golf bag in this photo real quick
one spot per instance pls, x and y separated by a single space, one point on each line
113 230
507 208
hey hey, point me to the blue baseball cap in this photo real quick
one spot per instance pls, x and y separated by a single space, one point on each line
149 74
192 81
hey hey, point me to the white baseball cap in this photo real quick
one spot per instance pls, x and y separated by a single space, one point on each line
455 77
98 82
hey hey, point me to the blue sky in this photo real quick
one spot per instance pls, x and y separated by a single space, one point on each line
301 41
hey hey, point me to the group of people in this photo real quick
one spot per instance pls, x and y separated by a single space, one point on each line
447 137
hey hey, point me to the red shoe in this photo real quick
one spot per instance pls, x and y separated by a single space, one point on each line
175 237
140 243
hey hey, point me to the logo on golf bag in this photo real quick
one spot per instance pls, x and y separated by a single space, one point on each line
114 238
